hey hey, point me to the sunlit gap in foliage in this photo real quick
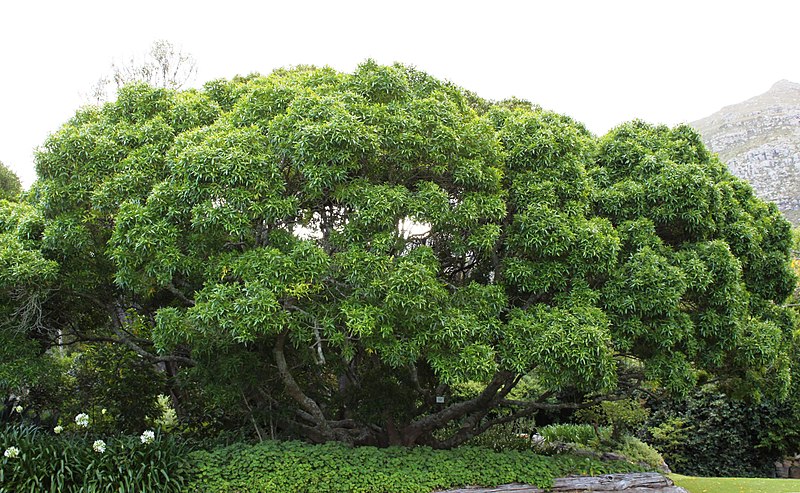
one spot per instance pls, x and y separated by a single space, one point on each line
413 232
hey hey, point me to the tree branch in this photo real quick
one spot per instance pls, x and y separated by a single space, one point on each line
117 326
177 292
430 422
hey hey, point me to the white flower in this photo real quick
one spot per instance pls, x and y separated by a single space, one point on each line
82 420
148 436
99 446
103 411
58 429
11 452
18 409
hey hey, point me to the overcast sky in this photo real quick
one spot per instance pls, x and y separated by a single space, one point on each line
601 62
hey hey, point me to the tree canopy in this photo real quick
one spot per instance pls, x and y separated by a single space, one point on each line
382 257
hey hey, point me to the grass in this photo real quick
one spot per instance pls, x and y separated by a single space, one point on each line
736 485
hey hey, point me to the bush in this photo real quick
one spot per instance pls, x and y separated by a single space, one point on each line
98 377
299 467
69 463
586 436
572 433
623 416
709 434
515 435
639 452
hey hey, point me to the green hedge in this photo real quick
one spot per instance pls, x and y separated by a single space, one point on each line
294 467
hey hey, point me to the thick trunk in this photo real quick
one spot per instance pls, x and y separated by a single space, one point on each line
418 432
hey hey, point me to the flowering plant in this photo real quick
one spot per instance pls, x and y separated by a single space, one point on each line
82 420
18 409
58 429
148 436
99 446
11 452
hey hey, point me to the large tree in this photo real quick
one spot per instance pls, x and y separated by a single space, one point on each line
382 257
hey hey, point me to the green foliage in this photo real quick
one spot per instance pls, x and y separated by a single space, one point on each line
10 186
117 388
297 467
600 439
639 452
515 435
670 437
624 416
67 463
709 434
166 418
26 276
113 378
581 434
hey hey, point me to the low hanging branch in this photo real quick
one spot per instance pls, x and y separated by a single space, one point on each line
118 319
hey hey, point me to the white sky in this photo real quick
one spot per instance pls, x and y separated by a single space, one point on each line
600 62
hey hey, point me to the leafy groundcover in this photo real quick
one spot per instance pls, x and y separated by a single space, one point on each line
299 467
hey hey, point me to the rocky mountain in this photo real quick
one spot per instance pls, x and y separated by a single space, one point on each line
759 139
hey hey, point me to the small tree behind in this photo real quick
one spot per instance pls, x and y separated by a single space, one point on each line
165 66
10 186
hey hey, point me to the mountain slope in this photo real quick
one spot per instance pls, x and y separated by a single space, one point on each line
759 139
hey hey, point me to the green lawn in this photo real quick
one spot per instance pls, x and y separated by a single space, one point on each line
736 485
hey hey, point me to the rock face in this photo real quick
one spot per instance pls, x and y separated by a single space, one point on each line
759 139
629 483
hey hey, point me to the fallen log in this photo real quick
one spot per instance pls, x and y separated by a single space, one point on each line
649 482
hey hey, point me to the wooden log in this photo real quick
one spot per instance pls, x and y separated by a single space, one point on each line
611 482
649 482
506 488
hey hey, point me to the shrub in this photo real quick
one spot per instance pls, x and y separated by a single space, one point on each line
515 435
586 436
574 433
710 434
117 379
639 452
623 416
